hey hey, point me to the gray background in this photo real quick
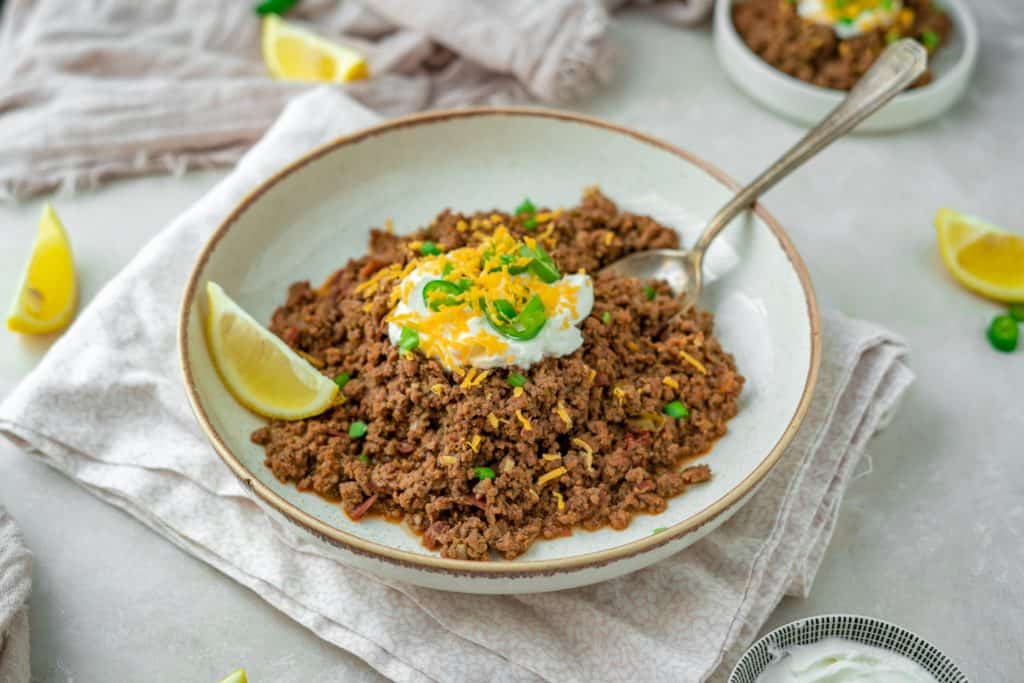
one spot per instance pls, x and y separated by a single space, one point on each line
931 538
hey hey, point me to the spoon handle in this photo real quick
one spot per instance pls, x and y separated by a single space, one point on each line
896 68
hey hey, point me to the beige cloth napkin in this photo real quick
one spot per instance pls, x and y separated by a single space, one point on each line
15 586
109 88
107 408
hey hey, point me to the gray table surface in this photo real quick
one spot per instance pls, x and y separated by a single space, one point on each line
931 538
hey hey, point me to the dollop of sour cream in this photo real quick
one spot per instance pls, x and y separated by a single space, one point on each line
836 660
851 18
460 334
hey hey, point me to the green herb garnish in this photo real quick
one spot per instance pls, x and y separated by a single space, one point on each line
660 529
357 429
606 318
409 339
342 379
526 208
930 39
1003 333
483 472
1017 312
530 223
676 410
515 379
649 293
362 457
429 248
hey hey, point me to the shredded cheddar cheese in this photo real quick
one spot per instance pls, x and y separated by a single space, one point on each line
694 362
493 419
517 392
619 394
447 459
474 443
551 476
527 426
588 453
564 414
438 389
669 382
551 457
591 374
609 237
462 226
559 501
632 346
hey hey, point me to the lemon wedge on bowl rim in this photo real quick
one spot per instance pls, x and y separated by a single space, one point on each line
258 368
48 293
293 53
982 257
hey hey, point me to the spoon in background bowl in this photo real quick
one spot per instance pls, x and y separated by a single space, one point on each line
896 68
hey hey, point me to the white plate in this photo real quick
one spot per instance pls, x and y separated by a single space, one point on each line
808 104
312 216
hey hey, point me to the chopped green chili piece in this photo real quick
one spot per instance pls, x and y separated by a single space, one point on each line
649 293
526 207
483 472
429 248
447 270
362 457
515 379
524 326
886 4
1003 333
676 410
505 309
530 223
409 339
541 265
1017 312
464 283
342 379
660 529
606 318
438 293
846 22
274 6
357 429
930 39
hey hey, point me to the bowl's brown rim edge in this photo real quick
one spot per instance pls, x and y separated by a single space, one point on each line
503 569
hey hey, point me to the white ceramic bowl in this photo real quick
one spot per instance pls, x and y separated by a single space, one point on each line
808 104
313 215
866 630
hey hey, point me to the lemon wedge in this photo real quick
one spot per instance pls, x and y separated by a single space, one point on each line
46 299
982 257
295 54
236 677
259 369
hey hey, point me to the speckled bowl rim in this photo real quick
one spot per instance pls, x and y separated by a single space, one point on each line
498 569
964 20
945 659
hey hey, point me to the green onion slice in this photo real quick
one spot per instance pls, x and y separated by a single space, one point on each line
676 410
483 472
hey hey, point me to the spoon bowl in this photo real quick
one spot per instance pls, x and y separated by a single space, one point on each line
896 68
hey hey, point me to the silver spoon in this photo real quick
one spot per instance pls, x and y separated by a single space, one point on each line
896 68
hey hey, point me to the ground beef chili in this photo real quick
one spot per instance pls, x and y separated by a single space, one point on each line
597 413
812 52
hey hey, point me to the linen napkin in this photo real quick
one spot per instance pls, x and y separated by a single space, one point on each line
111 88
15 586
106 407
